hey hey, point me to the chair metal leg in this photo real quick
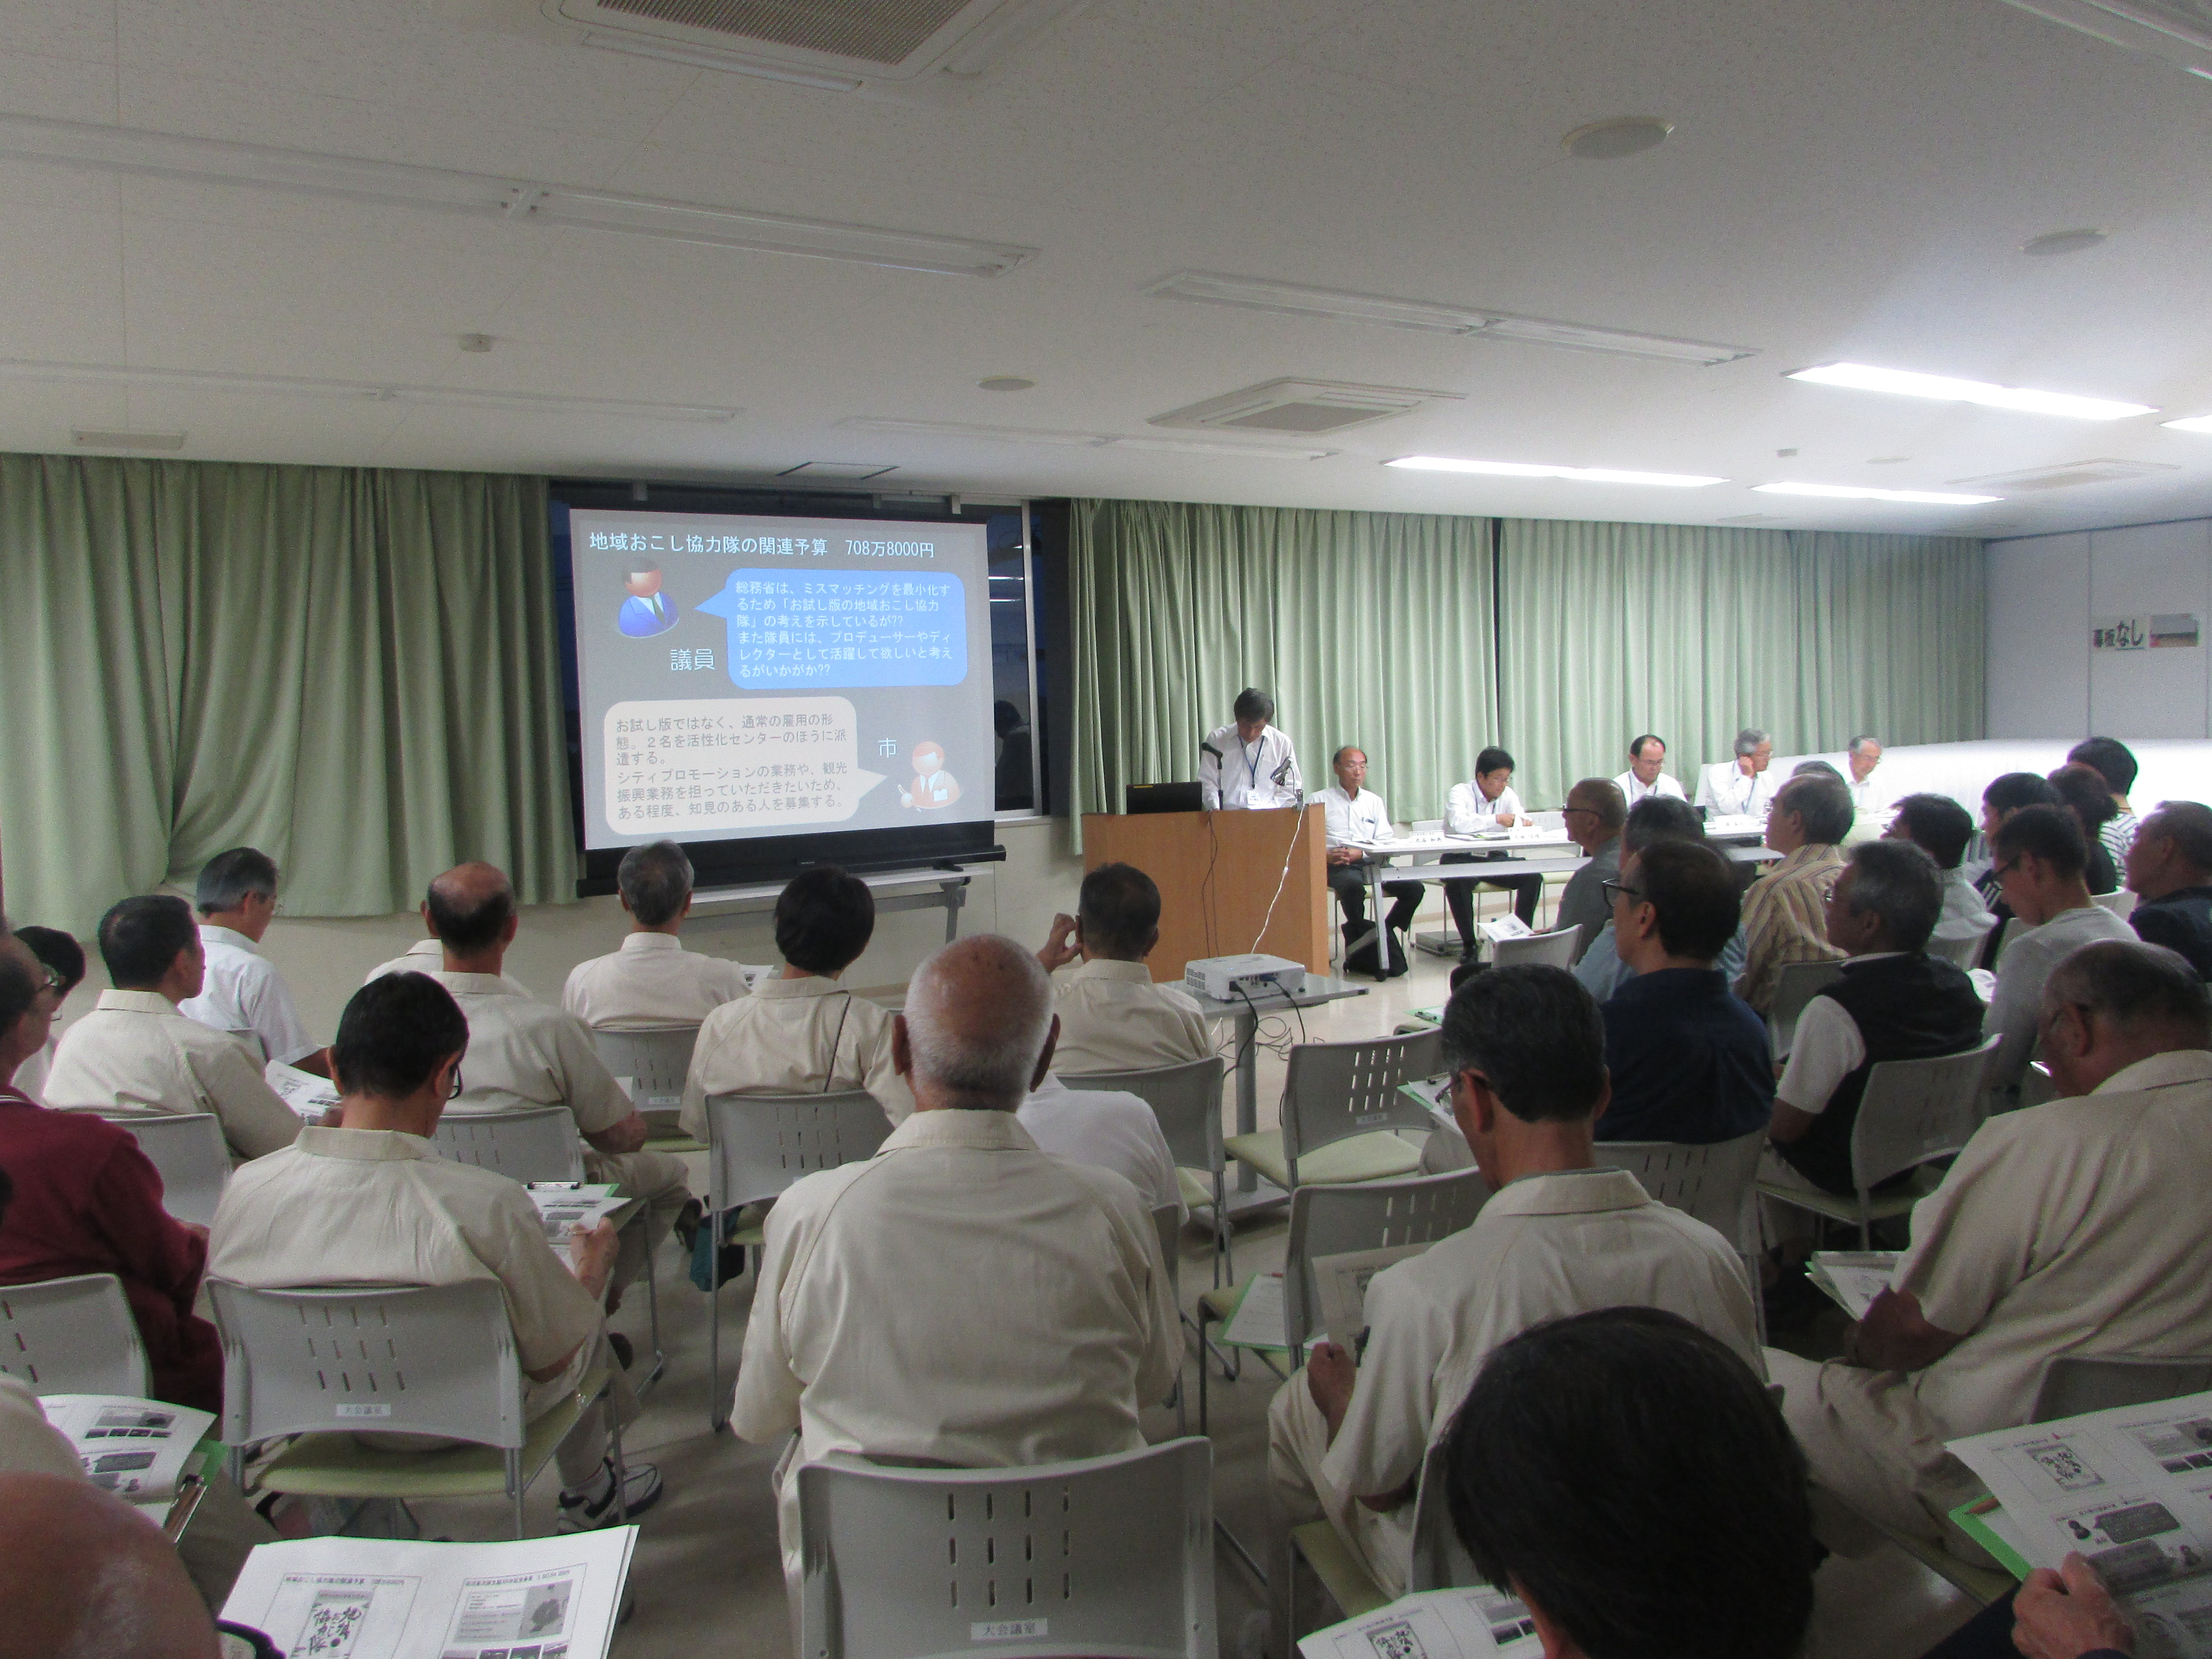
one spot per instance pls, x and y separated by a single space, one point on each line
652 1310
622 1469
714 1417
514 1487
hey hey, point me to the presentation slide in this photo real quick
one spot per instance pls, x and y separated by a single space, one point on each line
753 677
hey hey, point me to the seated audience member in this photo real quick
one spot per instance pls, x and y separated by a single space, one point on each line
135 1053
1595 816
1525 1047
2082 792
1485 802
2005 796
961 1298
240 991
371 1202
1108 1129
1356 818
1784 915
2039 854
2073 1227
1632 1481
1742 786
2112 761
1939 827
652 980
801 1032
85 1575
1689 1060
62 959
1601 971
1895 1001
1112 1017
84 1199
1647 759
2170 871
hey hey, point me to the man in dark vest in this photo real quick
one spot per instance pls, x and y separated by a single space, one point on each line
1894 1002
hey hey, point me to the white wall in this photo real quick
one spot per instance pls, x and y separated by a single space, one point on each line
2043 680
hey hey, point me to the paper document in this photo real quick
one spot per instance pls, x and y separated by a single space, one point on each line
2131 1489
1340 1283
1852 1278
373 1598
1735 823
562 1204
1448 1623
303 1092
1503 929
135 1448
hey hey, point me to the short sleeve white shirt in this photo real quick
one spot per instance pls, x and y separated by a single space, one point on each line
652 980
241 992
1636 789
1107 1129
428 956
1725 792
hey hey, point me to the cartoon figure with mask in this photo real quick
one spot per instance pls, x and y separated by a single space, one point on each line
934 788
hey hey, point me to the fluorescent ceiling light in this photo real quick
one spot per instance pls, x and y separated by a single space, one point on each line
1942 387
201 379
1578 474
1024 435
519 201
1430 317
1860 493
2193 423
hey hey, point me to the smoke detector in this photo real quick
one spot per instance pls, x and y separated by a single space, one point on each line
1305 407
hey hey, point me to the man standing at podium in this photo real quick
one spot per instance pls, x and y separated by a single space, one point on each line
1249 764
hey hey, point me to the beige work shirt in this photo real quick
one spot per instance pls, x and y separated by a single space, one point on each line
794 1036
652 980
428 956
524 1053
28 1443
134 1055
1543 1247
1114 1019
960 1298
1785 920
374 1206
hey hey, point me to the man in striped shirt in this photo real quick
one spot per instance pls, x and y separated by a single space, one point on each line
1784 915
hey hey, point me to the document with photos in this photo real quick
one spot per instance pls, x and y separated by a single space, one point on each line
303 1092
137 1448
562 1204
1468 1623
373 1598
1852 1278
2130 1489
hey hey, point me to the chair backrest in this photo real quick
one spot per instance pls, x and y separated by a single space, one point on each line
1110 1556
1167 1222
539 1144
1718 1183
758 1145
2076 1382
1552 950
72 1336
407 1359
1367 1215
188 1154
1916 1110
1440 1560
2121 902
1965 949
1187 1100
1334 1090
1800 981
650 1064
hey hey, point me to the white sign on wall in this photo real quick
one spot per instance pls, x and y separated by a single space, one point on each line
2167 631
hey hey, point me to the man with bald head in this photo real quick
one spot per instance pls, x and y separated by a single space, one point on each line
961 1298
84 1575
1596 812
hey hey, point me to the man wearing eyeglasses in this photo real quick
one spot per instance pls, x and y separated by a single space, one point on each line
1593 816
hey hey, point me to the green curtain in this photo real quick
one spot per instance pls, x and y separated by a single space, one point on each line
1369 628
353 670
1608 630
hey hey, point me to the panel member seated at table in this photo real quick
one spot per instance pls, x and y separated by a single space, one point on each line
1647 757
652 980
1742 788
1939 827
2073 1227
2170 871
1861 755
1689 1060
1785 914
1113 1018
1249 763
1601 971
1357 819
1594 814
1483 803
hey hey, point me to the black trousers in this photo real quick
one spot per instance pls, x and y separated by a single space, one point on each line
1460 895
1349 883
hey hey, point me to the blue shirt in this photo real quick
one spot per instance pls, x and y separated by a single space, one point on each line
1689 1059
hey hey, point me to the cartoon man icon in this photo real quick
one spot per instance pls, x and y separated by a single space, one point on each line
934 788
645 613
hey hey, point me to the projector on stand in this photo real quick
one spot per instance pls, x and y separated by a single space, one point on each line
1227 978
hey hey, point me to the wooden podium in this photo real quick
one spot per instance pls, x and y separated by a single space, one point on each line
1218 873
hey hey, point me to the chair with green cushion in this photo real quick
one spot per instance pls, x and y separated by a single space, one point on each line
757 1146
1340 1101
329 1364
1187 1101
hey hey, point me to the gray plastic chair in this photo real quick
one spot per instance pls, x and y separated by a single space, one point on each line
1109 1555
757 1146
1187 1100
1718 1184
189 1153
1339 1102
72 1336
1167 1223
539 1144
1552 950
1800 981
2074 1383
651 1065
1965 950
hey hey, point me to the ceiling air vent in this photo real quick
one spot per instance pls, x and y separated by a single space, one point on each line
1305 407
2179 31
2066 474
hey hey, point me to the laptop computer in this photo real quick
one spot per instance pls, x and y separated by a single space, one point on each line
1162 798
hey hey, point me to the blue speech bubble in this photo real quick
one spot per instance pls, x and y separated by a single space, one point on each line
845 628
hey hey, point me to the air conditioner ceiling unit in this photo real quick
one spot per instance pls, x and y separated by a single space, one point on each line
2066 474
1303 406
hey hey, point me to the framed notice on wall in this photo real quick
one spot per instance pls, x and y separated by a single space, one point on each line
2169 630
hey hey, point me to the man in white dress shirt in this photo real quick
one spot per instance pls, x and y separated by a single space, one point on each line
1863 756
1357 818
652 980
1485 802
1249 763
1742 788
240 991
1112 1017
1647 756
